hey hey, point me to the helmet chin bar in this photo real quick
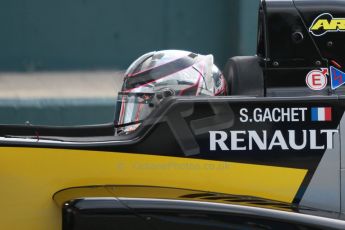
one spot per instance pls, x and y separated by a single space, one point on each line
126 128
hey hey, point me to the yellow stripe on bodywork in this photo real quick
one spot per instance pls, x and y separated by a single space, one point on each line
30 176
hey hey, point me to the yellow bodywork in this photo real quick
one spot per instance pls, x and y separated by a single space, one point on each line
31 176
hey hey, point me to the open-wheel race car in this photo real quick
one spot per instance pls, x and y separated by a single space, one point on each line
259 146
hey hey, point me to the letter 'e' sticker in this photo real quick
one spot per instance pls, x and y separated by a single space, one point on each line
317 79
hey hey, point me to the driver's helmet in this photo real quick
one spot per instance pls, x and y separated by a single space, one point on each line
161 74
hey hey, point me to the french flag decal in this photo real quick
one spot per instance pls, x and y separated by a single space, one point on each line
321 114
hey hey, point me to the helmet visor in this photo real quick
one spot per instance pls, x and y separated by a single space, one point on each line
133 108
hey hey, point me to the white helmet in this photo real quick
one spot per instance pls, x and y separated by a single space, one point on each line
157 75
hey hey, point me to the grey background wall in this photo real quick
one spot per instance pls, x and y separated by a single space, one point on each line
88 35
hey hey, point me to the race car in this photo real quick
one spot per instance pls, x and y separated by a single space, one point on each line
259 146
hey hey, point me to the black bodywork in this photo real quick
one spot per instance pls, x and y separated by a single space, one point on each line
193 210
287 50
288 58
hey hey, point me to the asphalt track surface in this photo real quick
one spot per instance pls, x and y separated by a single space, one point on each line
59 98
60 85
